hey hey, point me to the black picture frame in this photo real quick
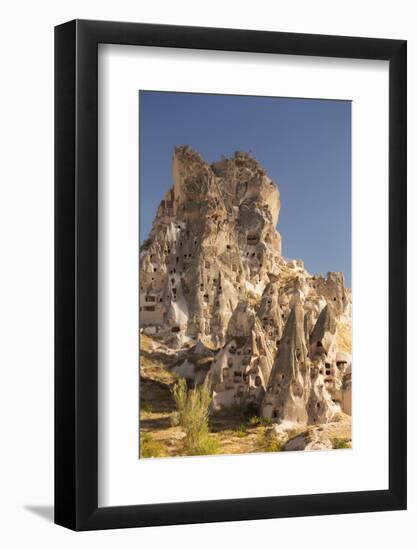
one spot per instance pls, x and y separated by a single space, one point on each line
76 272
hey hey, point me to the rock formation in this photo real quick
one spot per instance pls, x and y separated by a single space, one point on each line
241 370
212 244
212 275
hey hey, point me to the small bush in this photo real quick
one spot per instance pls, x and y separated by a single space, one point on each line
268 442
149 448
259 421
193 414
254 421
341 443
241 431
208 445
146 407
273 446
266 421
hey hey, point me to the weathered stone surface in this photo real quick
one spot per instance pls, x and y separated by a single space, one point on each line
323 437
289 383
312 440
241 369
212 243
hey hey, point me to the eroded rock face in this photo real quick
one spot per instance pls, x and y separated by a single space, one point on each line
290 382
213 241
324 437
212 273
270 315
306 381
241 370
313 440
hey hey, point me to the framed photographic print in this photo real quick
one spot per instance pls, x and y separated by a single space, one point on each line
230 275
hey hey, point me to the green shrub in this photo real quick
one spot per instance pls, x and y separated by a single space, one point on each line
149 448
266 421
241 431
259 421
268 442
273 446
193 415
341 443
146 407
208 445
254 421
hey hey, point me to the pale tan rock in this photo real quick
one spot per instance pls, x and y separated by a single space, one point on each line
312 440
323 437
290 383
213 242
240 371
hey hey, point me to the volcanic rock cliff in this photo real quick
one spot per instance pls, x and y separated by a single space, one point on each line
212 277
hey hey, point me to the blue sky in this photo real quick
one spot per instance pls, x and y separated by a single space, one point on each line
304 144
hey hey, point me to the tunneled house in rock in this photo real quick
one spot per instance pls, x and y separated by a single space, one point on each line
212 274
240 371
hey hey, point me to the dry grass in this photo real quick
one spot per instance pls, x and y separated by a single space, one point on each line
158 426
341 443
152 365
149 447
268 442
146 343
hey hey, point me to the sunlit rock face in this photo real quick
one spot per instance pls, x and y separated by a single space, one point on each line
240 372
213 241
289 383
300 388
212 273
